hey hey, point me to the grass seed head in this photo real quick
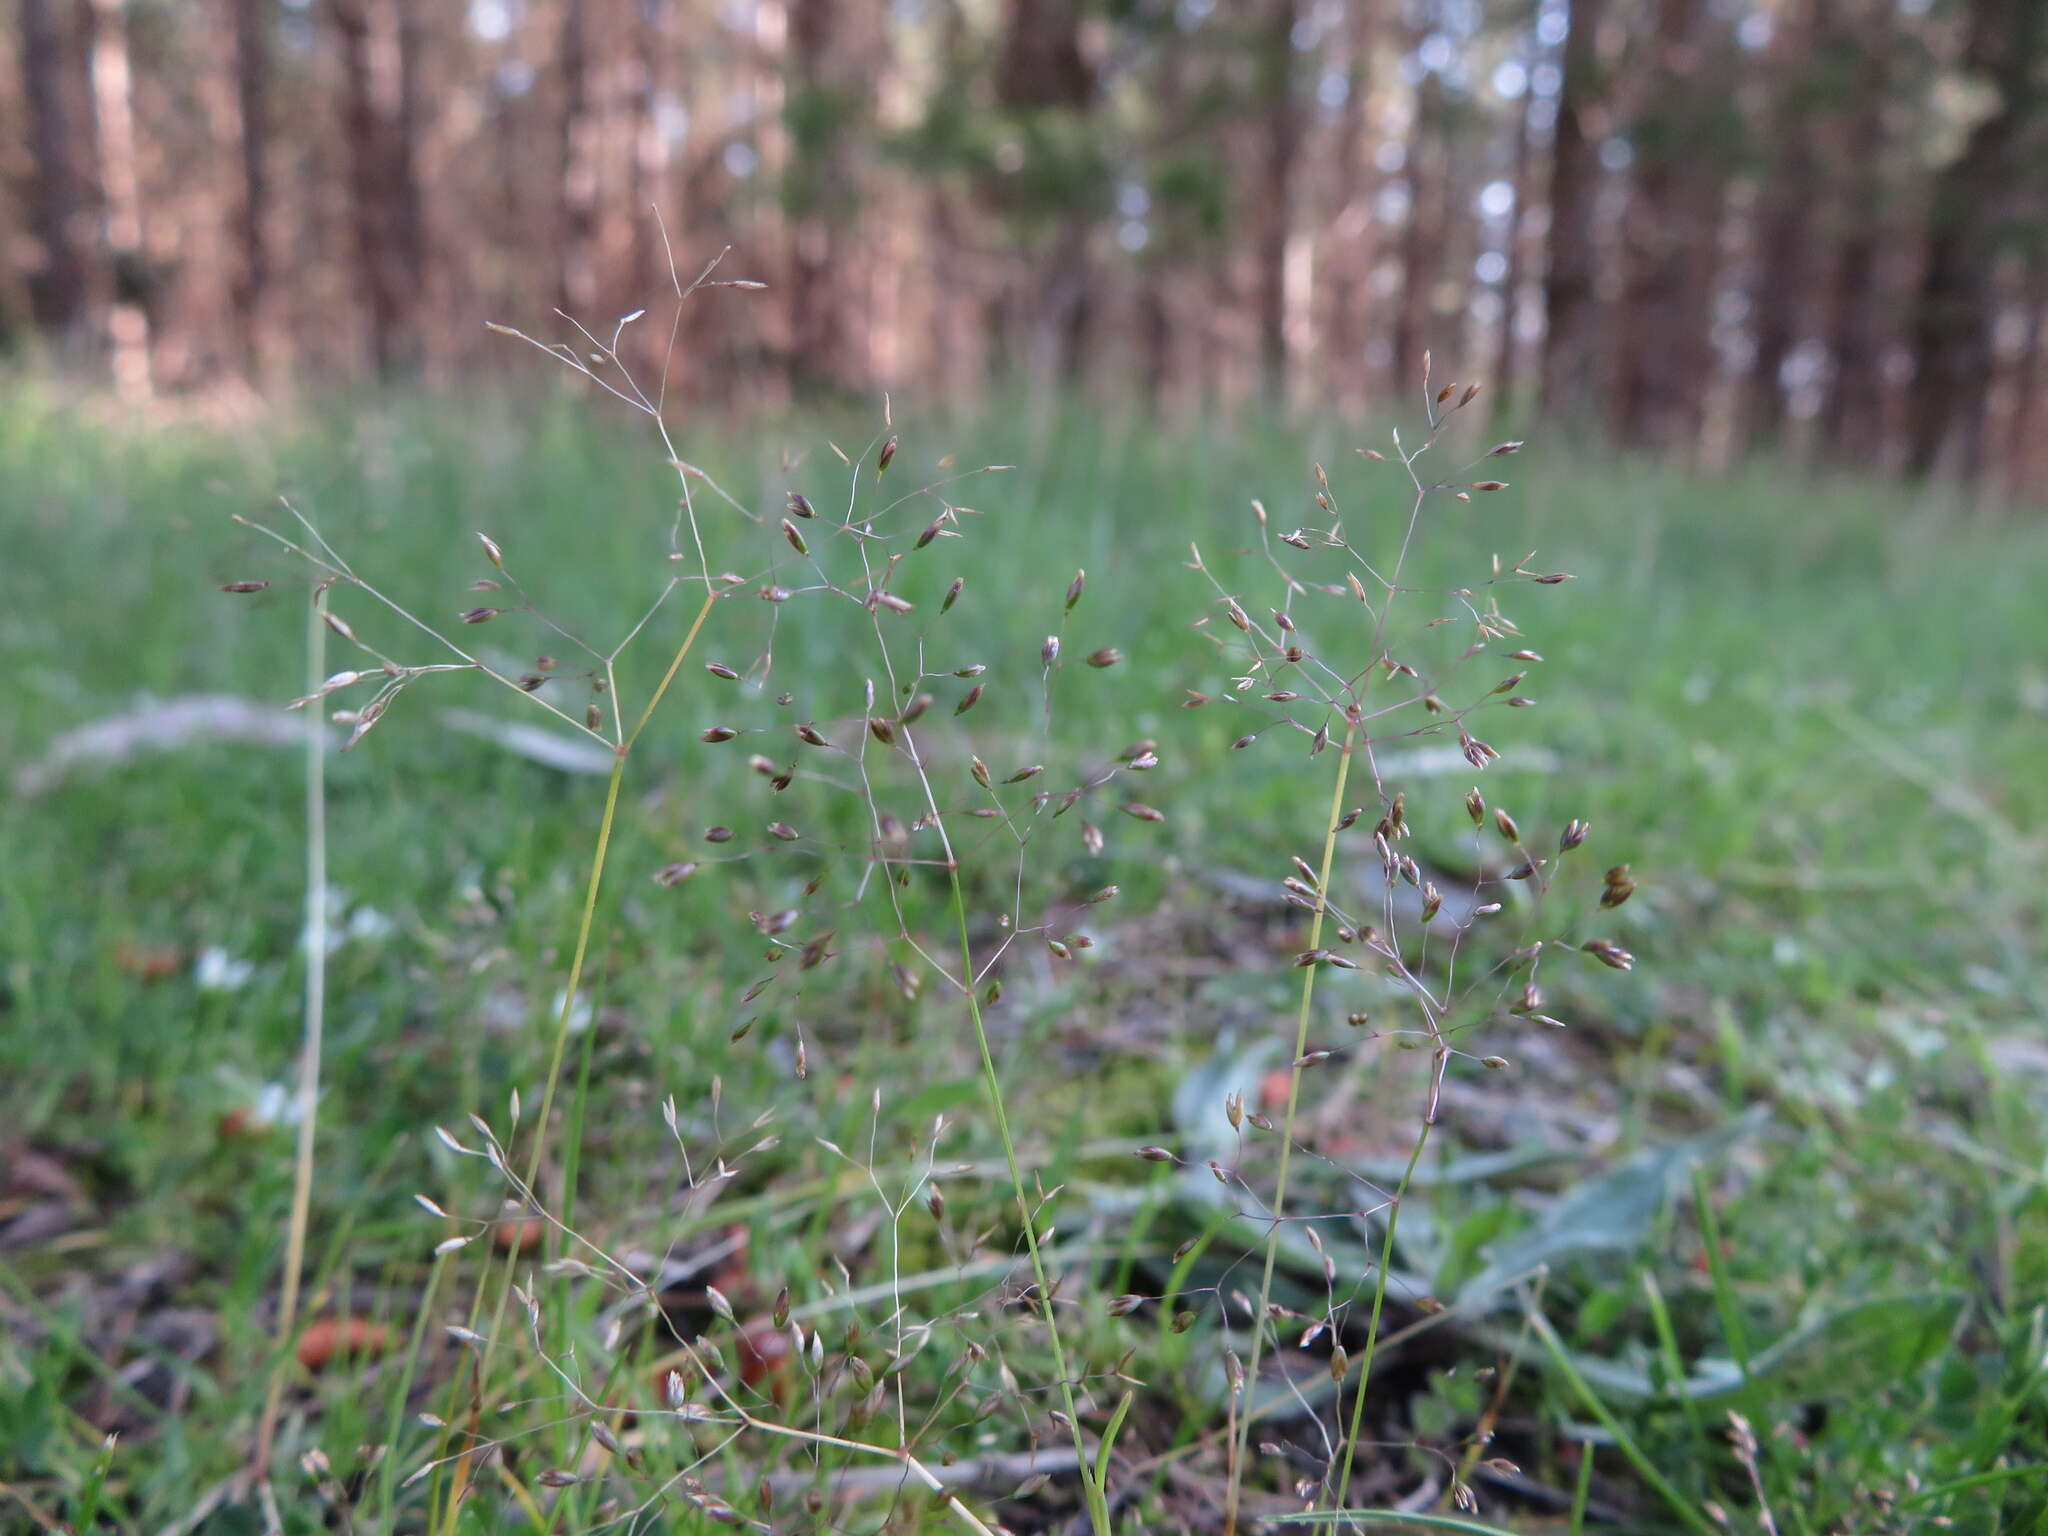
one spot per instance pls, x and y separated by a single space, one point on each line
1609 954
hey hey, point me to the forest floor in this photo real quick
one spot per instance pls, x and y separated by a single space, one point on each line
1810 717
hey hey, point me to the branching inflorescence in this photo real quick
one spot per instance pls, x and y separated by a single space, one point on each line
948 763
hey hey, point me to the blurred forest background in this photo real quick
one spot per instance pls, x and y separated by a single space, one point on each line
1706 227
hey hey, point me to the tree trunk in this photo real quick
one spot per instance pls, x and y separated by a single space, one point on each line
1506 375
576 186
113 96
1043 69
249 22
1166 249
1282 122
58 283
1571 300
2024 427
650 151
1791 206
824 112
383 195
1351 248
1425 172
1971 208
1853 408
1671 235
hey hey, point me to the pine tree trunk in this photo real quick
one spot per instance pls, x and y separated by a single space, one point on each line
1425 172
1853 409
1506 347
1671 235
576 187
58 282
650 153
2024 457
1281 151
383 195
1971 206
1791 205
249 22
1042 68
1571 303
113 94
1351 243
817 191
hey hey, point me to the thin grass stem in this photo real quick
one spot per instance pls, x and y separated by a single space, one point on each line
1680 1506
585 922
310 1041
1379 1302
1308 990
1098 1505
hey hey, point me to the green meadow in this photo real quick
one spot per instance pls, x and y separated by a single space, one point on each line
1786 1171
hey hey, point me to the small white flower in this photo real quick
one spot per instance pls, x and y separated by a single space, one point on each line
367 923
580 1012
336 904
275 1104
215 970
332 940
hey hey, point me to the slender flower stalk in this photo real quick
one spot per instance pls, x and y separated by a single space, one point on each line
571 990
311 1038
1279 1209
1098 1504
1379 1302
